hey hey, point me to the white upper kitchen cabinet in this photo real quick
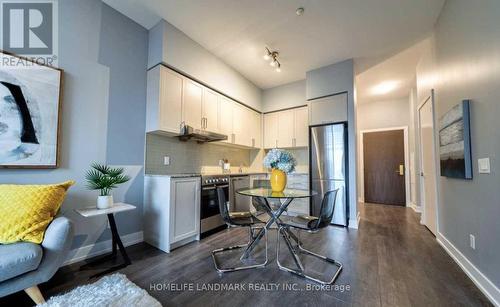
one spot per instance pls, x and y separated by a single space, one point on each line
226 117
164 100
192 103
331 109
242 125
271 130
256 130
285 129
210 110
173 100
301 126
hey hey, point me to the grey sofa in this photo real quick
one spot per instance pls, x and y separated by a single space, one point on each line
25 265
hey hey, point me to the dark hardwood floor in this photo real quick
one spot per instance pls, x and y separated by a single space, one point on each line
390 261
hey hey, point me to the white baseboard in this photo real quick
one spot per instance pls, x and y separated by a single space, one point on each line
482 282
415 207
99 248
361 199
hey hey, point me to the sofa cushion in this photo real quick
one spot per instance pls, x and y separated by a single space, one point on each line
18 258
27 210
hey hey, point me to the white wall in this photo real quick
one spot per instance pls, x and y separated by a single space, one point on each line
464 63
170 46
378 115
383 114
285 96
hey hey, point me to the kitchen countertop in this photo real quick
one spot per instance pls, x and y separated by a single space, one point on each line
185 175
180 175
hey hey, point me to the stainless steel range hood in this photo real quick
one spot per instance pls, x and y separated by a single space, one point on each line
200 136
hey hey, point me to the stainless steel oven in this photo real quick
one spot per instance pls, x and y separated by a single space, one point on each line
211 220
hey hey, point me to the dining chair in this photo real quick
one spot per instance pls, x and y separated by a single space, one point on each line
310 224
238 219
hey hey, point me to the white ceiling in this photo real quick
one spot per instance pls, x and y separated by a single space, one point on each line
329 31
398 71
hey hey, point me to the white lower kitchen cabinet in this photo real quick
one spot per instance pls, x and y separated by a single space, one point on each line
171 211
298 205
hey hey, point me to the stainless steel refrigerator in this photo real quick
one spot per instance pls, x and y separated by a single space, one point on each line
328 168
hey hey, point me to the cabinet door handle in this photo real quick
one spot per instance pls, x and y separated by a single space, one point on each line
206 122
276 144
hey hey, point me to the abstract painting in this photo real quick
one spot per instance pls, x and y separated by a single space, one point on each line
29 113
454 142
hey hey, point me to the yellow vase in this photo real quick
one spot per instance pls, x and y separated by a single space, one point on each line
278 180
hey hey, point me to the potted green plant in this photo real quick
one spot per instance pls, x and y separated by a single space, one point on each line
104 178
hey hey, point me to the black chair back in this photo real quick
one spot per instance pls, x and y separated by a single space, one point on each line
327 209
223 206
257 202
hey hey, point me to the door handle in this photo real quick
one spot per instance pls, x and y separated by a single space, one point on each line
401 170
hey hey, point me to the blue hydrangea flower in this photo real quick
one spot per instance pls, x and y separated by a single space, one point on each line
280 159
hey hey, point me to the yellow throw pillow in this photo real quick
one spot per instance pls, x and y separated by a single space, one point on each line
27 210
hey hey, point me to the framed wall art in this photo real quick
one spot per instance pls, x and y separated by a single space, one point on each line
30 103
455 142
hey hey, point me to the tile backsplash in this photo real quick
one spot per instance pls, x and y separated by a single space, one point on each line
191 157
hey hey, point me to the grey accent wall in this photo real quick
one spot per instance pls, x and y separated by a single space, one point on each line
327 80
103 107
123 48
467 66
285 96
332 79
171 46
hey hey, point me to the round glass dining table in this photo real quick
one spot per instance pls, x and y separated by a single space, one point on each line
268 193
264 194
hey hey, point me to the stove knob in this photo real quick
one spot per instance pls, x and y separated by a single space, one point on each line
216 180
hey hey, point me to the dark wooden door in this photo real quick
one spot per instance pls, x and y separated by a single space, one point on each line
384 158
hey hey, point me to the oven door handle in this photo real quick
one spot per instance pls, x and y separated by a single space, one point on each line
215 187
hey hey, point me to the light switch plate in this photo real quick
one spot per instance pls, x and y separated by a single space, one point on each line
484 165
166 160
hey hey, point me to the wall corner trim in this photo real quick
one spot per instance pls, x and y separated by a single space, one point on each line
100 248
489 289
354 223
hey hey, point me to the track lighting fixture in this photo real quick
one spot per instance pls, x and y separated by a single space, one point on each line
273 56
